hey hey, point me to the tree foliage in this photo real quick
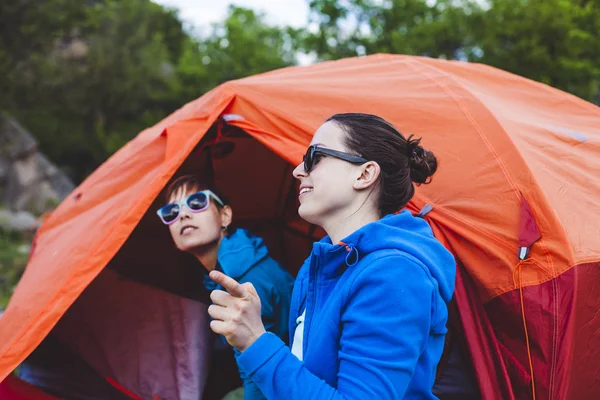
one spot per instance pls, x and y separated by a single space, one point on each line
86 76
555 42
242 45
99 72
552 42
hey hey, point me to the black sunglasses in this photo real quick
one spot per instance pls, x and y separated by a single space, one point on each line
311 158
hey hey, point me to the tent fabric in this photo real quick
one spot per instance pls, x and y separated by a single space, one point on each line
529 233
13 388
455 382
111 344
117 326
501 139
58 370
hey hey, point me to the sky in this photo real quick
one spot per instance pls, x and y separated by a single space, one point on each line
201 13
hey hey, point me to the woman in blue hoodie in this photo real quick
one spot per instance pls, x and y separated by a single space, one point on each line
369 308
199 220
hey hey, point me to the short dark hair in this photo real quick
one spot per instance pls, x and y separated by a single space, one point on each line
192 182
403 161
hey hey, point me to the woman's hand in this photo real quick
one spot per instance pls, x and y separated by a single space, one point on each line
236 315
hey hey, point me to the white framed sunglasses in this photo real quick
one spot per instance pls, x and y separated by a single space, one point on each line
196 202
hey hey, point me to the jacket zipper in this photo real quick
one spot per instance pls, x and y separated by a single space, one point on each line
310 306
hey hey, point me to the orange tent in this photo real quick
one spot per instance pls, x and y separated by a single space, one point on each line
515 199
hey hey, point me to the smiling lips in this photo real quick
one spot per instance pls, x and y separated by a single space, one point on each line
304 190
187 229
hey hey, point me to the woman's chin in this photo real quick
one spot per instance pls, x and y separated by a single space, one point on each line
192 244
306 213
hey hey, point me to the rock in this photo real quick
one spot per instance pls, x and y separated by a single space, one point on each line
28 180
20 221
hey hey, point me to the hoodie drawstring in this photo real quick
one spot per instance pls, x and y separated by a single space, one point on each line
352 251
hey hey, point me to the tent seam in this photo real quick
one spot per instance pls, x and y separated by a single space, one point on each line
468 114
295 122
455 216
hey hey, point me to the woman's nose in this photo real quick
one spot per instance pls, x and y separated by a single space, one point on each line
299 171
185 212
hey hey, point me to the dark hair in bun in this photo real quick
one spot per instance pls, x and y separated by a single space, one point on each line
422 162
403 161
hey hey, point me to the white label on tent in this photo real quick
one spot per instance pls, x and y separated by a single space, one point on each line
523 253
232 117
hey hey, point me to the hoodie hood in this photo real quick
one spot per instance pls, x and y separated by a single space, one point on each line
406 233
241 251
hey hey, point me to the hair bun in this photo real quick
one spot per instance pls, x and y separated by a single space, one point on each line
422 162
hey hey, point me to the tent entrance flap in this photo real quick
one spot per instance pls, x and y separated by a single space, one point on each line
132 320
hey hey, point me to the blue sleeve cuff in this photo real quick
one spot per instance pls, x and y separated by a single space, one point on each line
259 352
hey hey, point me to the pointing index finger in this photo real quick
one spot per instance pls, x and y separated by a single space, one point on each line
230 284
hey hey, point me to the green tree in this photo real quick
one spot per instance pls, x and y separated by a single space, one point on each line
101 81
28 32
110 68
415 27
554 42
242 45
14 249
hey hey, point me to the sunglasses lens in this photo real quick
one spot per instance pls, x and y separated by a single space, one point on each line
197 202
170 212
308 159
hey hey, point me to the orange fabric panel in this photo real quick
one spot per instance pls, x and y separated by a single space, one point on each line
89 227
558 137
477 191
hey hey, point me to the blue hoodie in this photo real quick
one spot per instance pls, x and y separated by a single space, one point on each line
245 258
376 312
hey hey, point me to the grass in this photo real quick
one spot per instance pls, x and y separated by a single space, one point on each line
14 251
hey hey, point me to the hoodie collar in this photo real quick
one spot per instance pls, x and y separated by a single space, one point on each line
240 251
409 235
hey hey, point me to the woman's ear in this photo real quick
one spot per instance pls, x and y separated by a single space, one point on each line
226 216
369 175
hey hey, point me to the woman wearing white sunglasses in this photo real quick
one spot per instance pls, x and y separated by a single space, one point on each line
199 221
369 309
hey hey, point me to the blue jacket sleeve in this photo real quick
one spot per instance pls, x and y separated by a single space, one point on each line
386 323
266 289
269 302
251 390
